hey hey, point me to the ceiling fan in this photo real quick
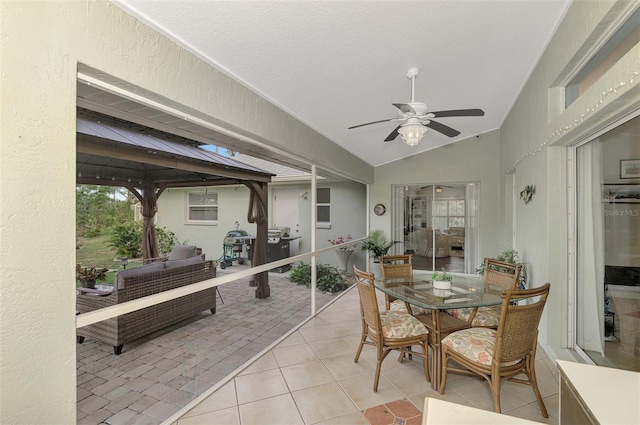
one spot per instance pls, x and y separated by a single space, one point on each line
438 187
415 118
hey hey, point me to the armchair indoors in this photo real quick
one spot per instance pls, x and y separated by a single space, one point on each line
503 354
398 266
498 276
456 235
425 243
387 330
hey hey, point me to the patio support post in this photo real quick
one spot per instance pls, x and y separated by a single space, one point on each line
149 201
258 213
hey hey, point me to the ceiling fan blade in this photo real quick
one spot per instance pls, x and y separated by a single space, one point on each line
459 113
444 129
393 134
369 123
406 108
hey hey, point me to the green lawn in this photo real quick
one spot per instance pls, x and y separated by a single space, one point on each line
96 252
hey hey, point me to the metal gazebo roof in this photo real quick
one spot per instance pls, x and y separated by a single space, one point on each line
112 152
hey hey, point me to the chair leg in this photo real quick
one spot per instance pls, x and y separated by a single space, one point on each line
359 349
380 357
425 348
495 390
531 374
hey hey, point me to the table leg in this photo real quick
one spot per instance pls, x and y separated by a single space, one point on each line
439 325
436 366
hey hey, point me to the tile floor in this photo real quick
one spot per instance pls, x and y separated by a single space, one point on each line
310 378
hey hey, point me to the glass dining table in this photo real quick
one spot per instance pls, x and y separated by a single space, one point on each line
467 291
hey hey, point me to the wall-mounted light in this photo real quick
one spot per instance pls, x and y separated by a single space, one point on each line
304 195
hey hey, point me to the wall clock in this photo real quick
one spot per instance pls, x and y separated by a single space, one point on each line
379 209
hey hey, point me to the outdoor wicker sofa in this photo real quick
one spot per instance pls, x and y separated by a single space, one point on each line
141 282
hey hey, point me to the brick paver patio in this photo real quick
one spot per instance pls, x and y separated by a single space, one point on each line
158 374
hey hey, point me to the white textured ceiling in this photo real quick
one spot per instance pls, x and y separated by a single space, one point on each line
334 64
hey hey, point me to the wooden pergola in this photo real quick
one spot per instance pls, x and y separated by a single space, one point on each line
112 152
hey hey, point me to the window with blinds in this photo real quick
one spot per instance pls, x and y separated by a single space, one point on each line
202 207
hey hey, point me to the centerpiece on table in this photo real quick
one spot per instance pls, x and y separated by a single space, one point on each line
344 251
88 275
441 280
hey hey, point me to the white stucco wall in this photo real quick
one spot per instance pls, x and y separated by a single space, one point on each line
232 206
476 159
348 209
534 137
42 46
348 206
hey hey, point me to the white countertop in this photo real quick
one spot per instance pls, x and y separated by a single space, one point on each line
438 412
612 395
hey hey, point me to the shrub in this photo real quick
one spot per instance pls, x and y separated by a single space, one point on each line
166 240
328 278
127 240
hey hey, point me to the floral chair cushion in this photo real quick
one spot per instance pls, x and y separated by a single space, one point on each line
396 324
461 313
486 316
398 305
476 344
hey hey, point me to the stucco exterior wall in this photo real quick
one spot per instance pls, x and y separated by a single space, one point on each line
535 144
42 46
476 159
348 206
232 206
348 209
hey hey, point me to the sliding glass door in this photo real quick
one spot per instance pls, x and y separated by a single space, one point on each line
607 210
437 223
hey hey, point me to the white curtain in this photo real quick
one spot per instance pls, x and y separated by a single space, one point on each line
590 279
472 194
398 218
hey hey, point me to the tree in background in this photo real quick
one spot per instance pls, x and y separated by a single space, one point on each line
99 208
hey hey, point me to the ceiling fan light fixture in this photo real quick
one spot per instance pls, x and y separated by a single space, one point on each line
412 133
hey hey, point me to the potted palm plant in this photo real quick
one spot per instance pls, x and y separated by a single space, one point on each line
376 245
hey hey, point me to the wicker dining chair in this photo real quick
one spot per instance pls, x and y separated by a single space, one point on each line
396 266
387 330
500 355
498 276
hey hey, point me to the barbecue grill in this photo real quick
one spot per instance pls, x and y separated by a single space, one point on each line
235 247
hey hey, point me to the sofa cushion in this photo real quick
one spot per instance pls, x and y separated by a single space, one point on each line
181 252
172 264
138 271
456 231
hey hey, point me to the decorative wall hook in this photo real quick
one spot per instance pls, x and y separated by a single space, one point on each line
527 193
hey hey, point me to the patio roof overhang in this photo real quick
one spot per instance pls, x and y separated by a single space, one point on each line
113 152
